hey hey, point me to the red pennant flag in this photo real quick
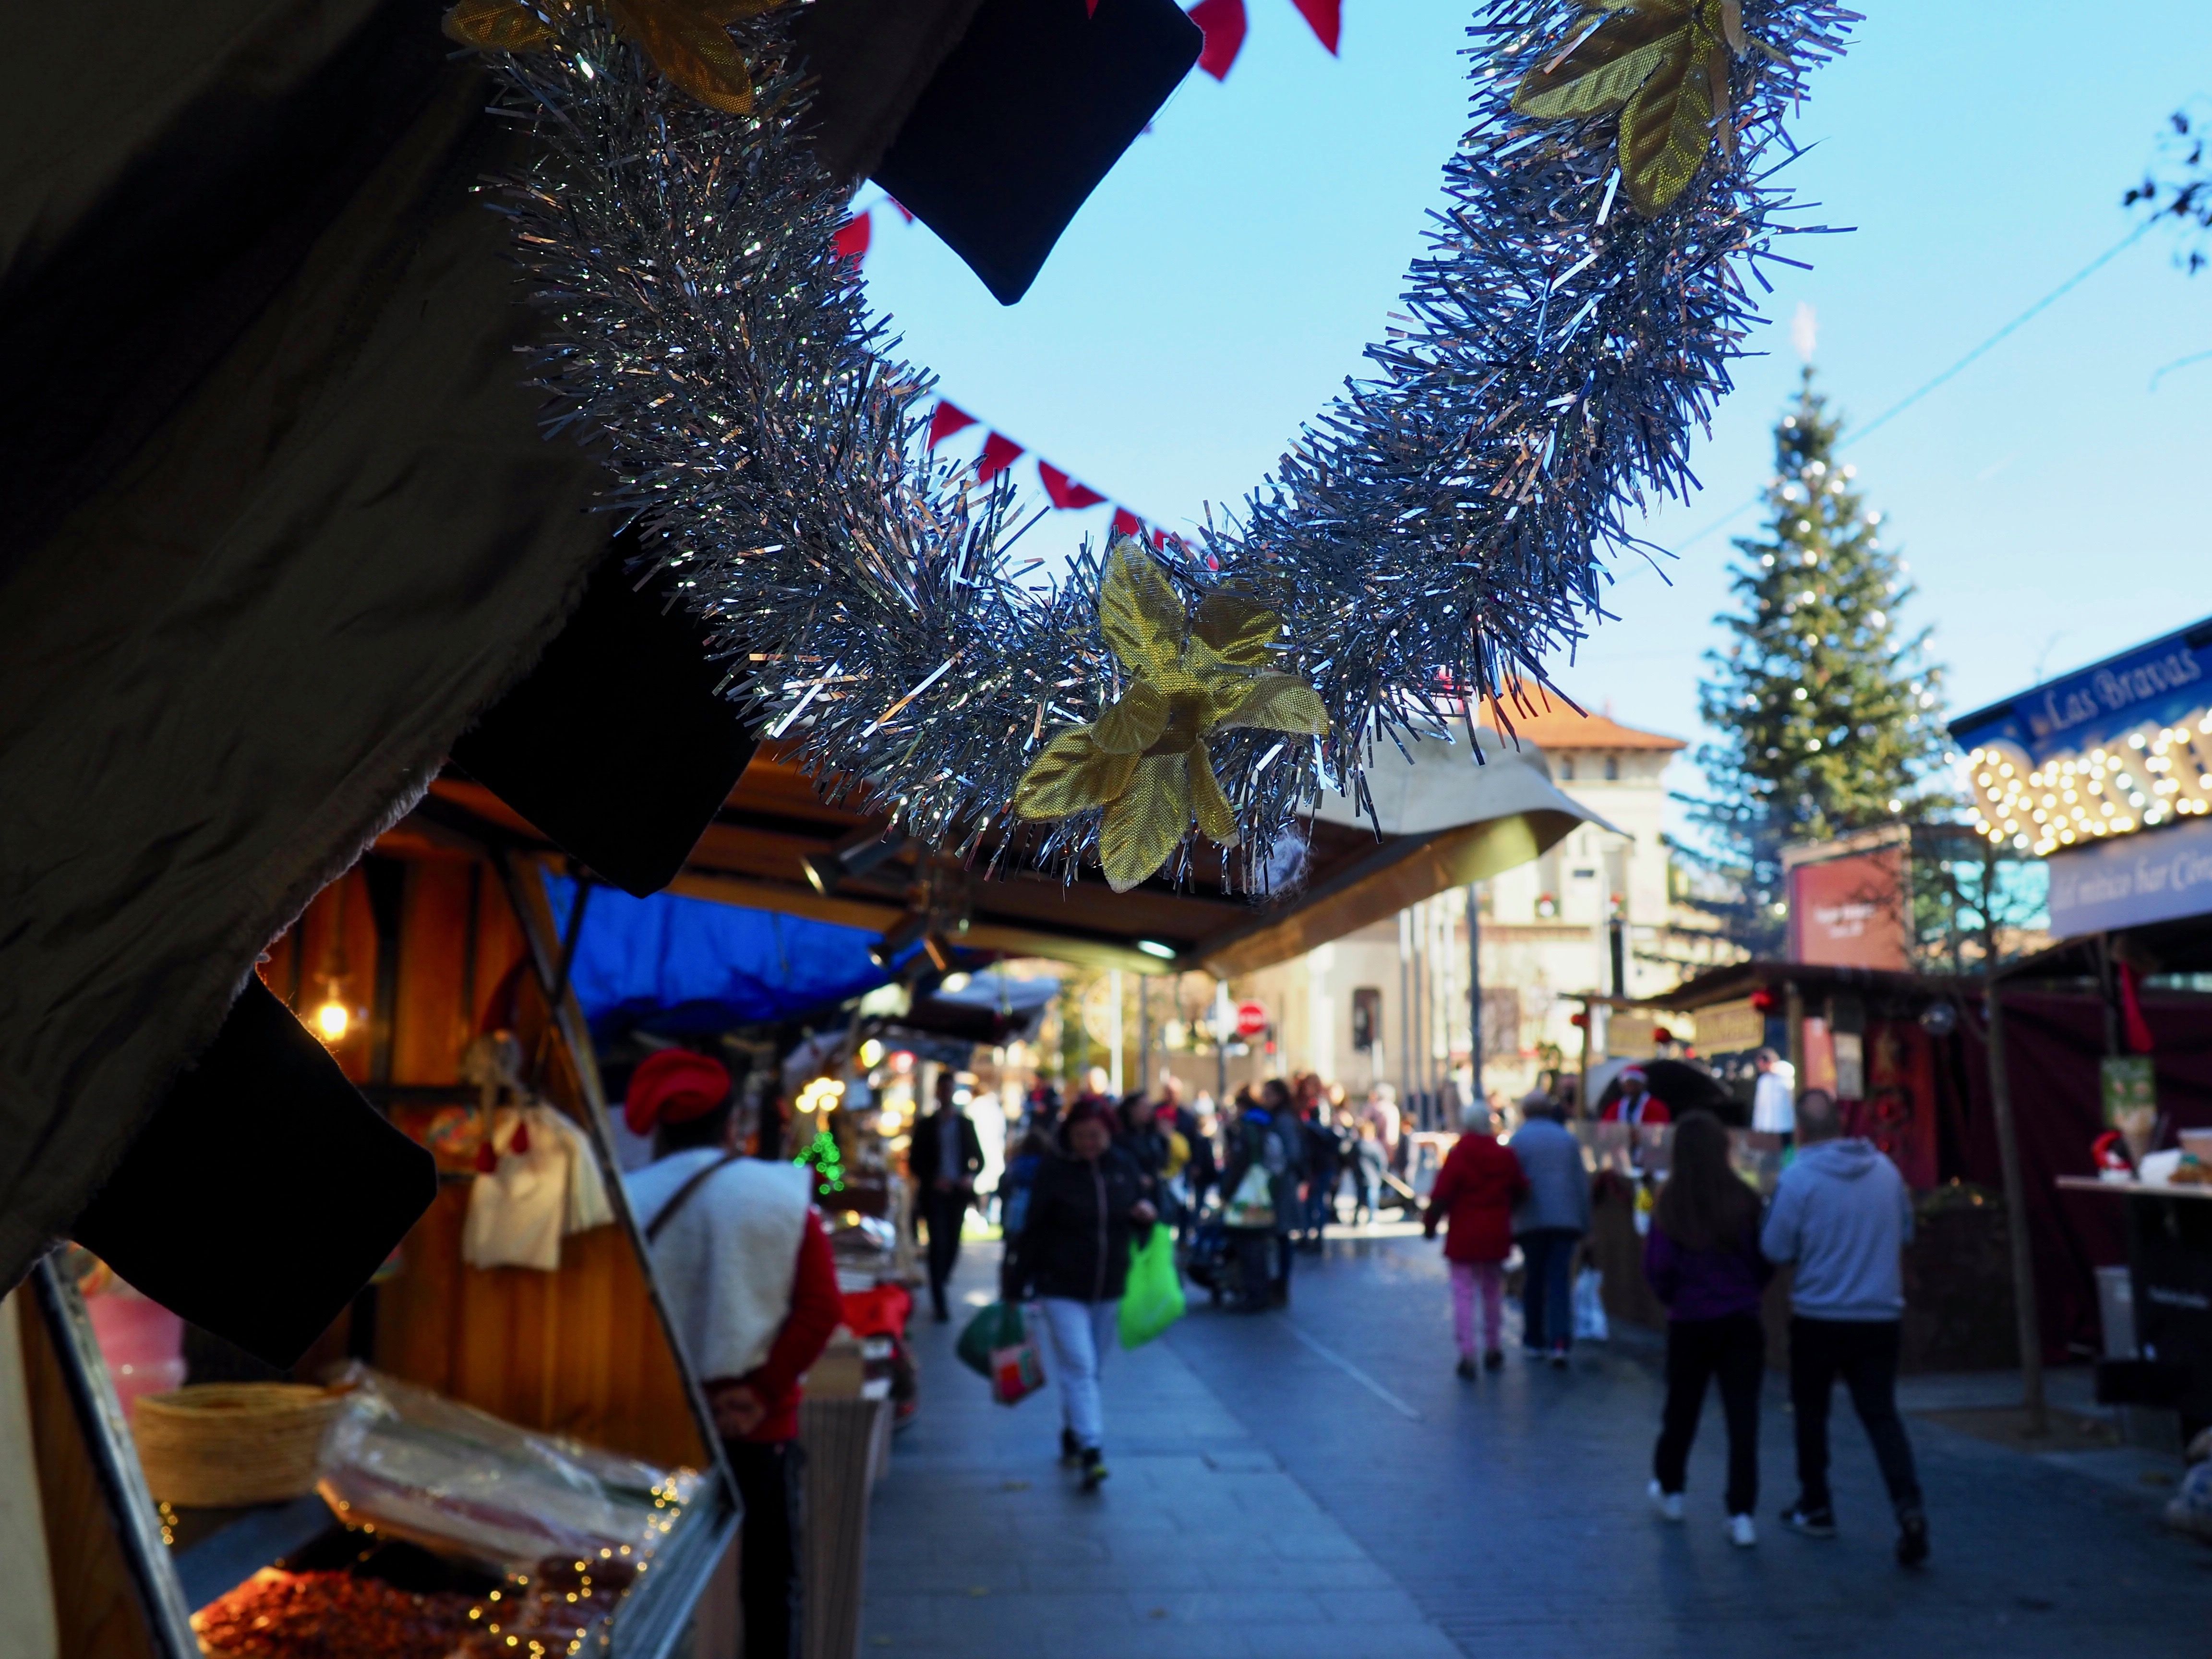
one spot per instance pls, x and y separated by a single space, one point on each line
851 238
1325 17
1000 452
949 419
1066 493
1126 523
1224 23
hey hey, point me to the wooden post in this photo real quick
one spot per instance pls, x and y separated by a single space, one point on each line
2027 1322
1581 1088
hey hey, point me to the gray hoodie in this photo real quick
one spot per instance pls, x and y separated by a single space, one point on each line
1558 1182
1843 1214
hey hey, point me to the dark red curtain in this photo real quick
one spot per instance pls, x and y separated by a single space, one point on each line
2054 1042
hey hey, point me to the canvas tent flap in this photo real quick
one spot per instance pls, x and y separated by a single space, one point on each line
282 522
226 668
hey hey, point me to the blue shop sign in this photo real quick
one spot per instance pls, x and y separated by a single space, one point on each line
2165 682
2118 747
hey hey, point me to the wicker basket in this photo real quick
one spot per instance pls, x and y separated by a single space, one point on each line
222 1445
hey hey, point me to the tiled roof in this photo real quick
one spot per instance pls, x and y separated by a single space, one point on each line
1549 723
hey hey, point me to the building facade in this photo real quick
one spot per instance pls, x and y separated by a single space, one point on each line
1393 1003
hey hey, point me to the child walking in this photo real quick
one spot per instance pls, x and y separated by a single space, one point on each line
1476 1190
1702 1260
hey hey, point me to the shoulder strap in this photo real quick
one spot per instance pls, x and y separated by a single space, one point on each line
683 1194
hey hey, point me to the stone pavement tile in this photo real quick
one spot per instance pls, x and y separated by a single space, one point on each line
1157 1639
1246 1569
1224 1607
1362 1606
1133 1577
1408 1639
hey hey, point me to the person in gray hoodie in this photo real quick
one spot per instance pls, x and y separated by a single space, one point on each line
1842 1213
1548 1224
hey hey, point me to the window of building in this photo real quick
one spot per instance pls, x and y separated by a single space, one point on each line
1567 769
1612 769
1366 1019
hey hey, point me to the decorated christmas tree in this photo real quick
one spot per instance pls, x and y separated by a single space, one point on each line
1826 709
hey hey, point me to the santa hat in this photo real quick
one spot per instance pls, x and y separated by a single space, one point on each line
673 1086
1633 1075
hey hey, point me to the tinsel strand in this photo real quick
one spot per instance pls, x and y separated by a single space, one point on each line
1440 533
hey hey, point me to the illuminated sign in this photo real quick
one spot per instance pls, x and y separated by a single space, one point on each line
2122 746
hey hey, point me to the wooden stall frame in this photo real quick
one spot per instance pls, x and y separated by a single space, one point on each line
115 1460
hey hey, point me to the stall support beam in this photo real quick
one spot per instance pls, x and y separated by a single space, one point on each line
2029 1322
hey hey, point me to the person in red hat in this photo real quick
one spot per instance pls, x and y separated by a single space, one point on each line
752 1292
1636 1105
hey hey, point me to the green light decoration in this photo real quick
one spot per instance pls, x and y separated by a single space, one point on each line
827 1162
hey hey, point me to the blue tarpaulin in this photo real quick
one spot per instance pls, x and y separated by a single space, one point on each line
686 963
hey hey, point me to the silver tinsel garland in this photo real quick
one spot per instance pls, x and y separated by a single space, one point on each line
1436 536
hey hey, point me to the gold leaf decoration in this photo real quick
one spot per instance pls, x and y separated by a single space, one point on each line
1664 66
1145 759
496 26
1072 773
687 40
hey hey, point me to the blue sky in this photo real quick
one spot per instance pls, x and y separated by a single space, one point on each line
1225 278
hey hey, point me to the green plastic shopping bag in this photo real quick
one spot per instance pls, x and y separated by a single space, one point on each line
1153 1300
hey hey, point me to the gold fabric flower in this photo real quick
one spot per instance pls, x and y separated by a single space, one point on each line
687 40
1145 759
1664 64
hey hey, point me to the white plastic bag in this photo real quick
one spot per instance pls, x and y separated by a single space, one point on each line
1590 1307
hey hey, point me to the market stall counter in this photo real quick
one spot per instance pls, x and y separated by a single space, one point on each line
2166 1360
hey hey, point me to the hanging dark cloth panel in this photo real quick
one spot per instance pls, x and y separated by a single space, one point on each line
1031 110
618 745
263 1191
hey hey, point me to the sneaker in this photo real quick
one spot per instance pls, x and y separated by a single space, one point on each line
1494 1361
1911 1538
1071 1449
1808 1522
1094 1468
1466 1367
1668 1503
1743 1531
1558 1359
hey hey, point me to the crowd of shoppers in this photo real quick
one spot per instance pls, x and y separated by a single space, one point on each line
1263 1177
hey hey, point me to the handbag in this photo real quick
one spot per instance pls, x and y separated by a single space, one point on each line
1253 1204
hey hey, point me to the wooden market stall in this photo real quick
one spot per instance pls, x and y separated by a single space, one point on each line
432 961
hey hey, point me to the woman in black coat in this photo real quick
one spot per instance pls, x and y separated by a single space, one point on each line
1087 1208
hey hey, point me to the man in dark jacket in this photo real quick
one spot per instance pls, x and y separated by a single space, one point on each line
1087 1207
1268 1135
944 1158
1324 1160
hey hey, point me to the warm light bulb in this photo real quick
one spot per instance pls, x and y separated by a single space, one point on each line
332 1020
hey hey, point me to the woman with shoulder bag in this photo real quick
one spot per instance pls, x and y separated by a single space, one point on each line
1702 1259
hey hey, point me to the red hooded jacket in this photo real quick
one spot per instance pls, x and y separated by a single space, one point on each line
1477 1189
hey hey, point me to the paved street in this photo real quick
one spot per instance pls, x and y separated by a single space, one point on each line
1322 1484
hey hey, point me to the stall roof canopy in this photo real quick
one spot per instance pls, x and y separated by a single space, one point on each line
1456 823
687 962
1736 980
